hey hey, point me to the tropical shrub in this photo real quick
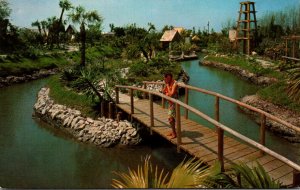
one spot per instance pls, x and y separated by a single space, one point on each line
242 176
189 174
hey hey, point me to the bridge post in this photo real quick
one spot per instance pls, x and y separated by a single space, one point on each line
178 127
220 132
110 110
117 95
262 138
296 178
145 94
151 112
102 109
186 101
131 102
217 109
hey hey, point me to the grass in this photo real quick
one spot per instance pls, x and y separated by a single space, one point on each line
15 65
248 64
64 96
276 93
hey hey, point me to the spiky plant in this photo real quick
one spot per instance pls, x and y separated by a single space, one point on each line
242 176
294 82
189 174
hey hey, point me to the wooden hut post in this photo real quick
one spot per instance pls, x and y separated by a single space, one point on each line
178 127
151 112
186 101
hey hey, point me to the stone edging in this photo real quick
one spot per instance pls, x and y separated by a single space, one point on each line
9 80
252 77
282 113
101 132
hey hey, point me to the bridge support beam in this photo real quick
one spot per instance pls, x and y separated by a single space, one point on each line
220 134
117 95
296 178
102 109
186 101
110 110
151 113
262 132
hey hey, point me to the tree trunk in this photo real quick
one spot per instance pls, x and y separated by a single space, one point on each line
83 39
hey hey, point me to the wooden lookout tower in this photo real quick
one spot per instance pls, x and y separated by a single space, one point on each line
246 27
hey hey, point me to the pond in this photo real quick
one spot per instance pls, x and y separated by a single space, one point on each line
34 155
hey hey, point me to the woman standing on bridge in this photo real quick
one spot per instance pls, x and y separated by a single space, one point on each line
171 91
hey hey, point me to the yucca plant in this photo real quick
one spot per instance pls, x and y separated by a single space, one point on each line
190 174
294 82
242 176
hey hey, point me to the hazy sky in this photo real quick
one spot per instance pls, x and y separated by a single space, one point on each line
185 13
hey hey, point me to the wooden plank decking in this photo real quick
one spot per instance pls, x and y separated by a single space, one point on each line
201 142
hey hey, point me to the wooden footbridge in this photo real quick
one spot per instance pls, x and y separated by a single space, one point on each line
207 144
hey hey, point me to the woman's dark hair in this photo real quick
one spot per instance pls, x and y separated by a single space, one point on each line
168 74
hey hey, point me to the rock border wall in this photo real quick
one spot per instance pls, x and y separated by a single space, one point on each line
102 132
282 113
9 80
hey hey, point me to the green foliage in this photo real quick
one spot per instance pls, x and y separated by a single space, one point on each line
18 65
139 69
4 9
189 174
278 94
242 176
65 96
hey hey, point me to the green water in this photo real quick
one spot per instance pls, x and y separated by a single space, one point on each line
33 155
228 84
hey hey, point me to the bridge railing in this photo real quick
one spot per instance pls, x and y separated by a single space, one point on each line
263 115
220 127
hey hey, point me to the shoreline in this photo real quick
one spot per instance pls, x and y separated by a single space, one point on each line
244 74
101 132
254 100
278 111
12 79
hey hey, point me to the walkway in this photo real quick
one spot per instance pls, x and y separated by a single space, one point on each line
202 142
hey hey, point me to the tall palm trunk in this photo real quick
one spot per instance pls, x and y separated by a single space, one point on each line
61 15
83 39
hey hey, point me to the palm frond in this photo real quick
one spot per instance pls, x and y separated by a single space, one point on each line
144 177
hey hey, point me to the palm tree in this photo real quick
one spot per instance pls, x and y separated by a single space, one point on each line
190 174
38 25
44 25
82 17
65 5
294 82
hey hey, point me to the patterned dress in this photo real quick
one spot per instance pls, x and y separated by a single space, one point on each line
171 111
